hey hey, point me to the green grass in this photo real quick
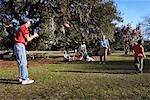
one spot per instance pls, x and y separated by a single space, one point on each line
79 81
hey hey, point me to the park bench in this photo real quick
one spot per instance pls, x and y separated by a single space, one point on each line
7 55
33 56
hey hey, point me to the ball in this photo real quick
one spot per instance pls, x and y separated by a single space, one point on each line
66 25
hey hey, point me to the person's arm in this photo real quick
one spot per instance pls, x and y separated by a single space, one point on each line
143 52
108 45
132 49
29 38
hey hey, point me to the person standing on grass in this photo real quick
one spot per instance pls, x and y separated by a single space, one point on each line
138 51
104 46
21 38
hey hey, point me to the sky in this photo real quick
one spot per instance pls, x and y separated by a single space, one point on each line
133 11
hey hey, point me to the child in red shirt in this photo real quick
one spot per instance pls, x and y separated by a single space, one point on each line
138 51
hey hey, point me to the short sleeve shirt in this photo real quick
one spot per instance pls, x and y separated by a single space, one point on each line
104 43
83 47
138 49
20 35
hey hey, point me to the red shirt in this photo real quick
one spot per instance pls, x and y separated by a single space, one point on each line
20 35
138 50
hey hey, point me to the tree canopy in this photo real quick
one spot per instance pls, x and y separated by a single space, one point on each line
126 36
88 19
146 25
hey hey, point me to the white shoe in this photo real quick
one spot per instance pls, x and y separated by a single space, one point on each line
100 62
27 81
104 63
20 80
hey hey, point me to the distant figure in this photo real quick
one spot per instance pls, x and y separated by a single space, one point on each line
66 56
84 51
21 38
83 46
138 51
104 46
86 56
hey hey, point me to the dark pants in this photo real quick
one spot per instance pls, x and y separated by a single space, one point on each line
138 61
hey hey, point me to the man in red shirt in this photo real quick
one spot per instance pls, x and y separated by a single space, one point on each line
138 51
21 38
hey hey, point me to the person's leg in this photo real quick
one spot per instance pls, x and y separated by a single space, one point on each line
22 60
103 59
100 58
141 64
101 55
24 64
17 50
105 55
85 55
136 63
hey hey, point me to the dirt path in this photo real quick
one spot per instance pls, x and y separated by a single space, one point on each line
9 64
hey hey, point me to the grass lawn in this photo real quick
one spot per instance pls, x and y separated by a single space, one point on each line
79 81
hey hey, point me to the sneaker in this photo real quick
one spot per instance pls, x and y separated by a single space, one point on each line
20 80
27 81
104 63
141 72
100 62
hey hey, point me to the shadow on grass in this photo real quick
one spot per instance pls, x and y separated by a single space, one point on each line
105 72
8 81
124 55
111 67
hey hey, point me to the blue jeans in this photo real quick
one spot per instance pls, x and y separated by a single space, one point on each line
20 52
85 54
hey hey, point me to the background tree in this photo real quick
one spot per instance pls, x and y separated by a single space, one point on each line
146 25
126 36
88 19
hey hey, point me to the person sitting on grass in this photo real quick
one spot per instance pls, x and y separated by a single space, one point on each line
86 56
138 51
